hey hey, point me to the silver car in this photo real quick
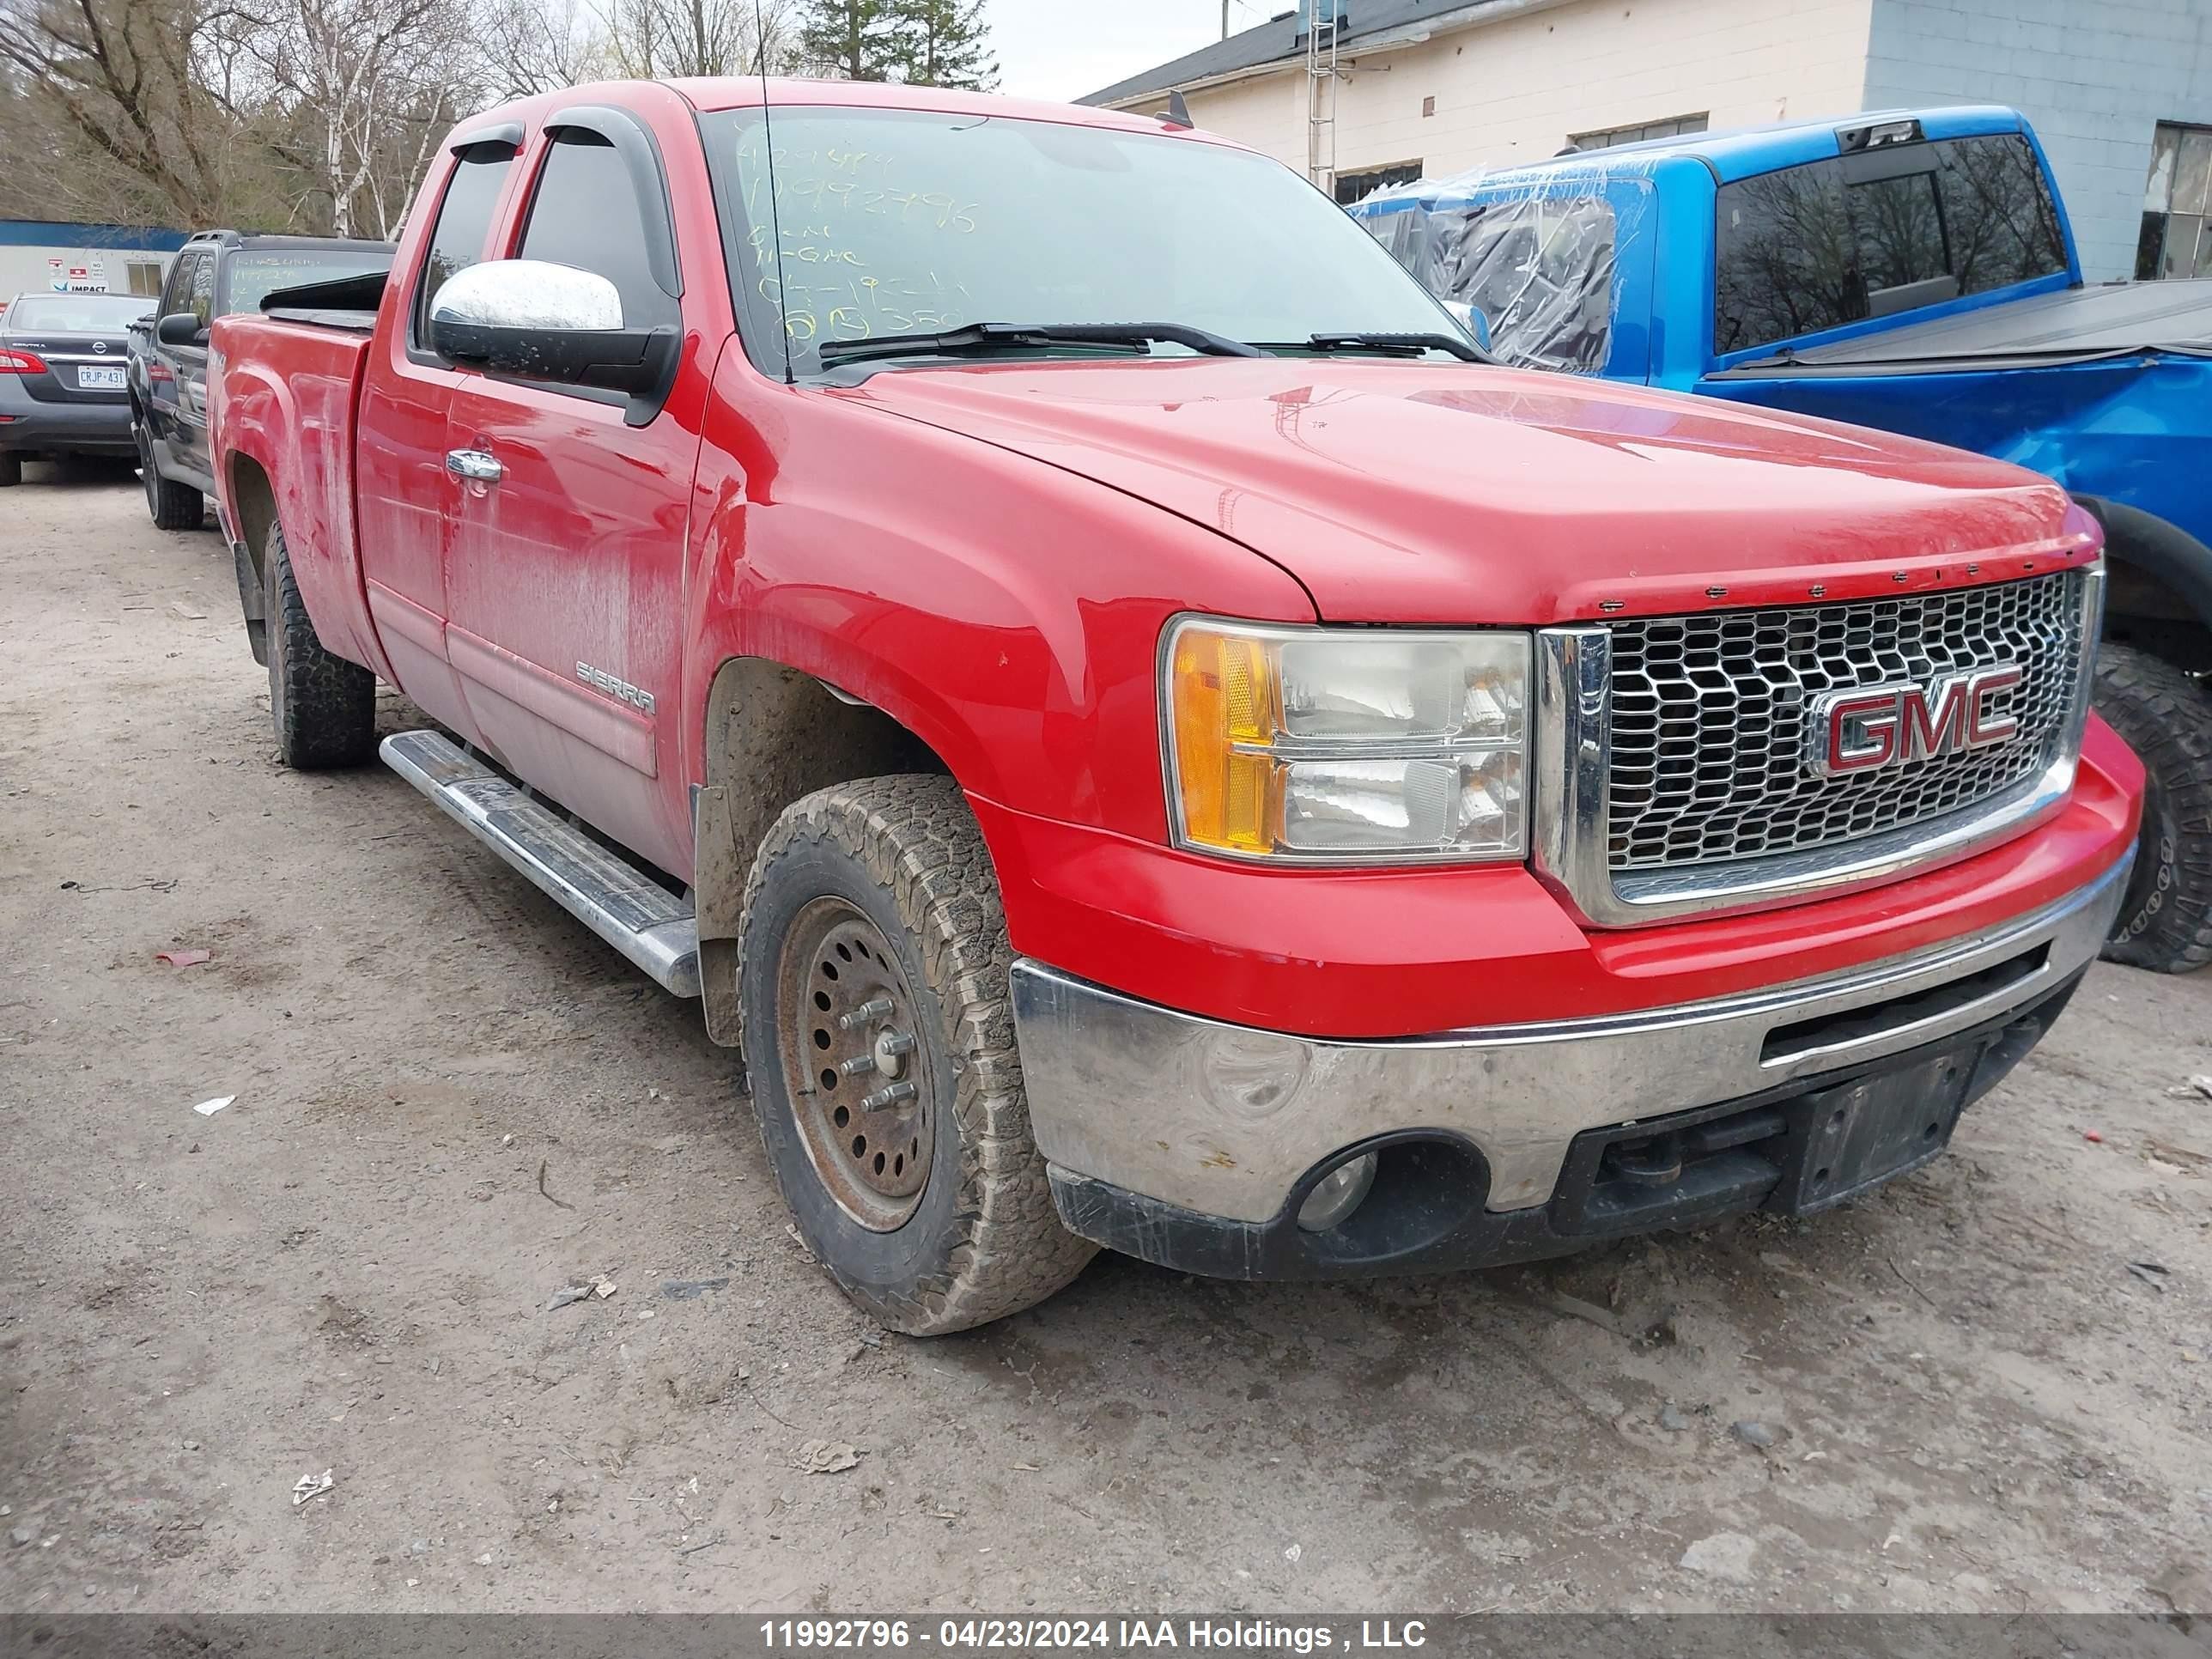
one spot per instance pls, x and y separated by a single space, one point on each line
63 376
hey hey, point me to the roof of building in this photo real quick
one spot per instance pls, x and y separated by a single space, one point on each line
1281 38
68 233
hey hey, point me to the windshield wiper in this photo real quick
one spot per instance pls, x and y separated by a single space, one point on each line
1399 345
978 339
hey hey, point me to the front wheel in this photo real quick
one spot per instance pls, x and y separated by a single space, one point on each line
879 1036
2166 920
173 506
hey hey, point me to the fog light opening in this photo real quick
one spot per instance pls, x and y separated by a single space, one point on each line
1338 1193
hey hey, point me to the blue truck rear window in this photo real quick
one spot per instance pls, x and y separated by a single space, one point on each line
1877 234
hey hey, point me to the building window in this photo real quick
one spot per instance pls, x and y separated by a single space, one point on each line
1671 128
146 276
2177 205
1358 186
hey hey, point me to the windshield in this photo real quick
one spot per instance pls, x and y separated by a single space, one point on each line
79 314
900 221
255 276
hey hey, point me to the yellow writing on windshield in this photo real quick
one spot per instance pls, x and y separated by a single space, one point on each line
852 259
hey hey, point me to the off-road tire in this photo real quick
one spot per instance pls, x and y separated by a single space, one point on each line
174 505
984 1240
11 471
324 707
2164 922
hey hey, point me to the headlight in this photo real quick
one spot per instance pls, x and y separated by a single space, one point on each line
1346 745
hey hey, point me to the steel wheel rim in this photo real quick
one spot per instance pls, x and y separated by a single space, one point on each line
857 1072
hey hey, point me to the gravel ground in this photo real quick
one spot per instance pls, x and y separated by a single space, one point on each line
451 1101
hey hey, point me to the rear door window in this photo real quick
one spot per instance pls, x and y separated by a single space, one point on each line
1878 234
464 225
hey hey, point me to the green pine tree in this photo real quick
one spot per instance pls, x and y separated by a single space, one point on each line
854 39
946 43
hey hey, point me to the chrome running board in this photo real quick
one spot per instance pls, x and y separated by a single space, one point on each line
637 915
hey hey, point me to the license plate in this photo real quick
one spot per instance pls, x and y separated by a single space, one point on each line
99 380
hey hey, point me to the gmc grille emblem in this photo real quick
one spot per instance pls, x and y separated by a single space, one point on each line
1876 726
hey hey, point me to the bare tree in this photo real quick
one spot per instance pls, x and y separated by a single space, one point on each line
649 39
125 84
367 86
530 46
311 115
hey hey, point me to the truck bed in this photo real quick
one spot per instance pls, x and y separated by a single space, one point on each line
2075 324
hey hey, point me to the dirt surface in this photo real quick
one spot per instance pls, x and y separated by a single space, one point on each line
452 1102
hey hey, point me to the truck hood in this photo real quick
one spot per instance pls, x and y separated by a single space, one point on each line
1417 492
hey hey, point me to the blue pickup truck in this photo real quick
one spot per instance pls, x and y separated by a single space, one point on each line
1912 271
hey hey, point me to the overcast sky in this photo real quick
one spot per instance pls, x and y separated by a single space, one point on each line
1061 49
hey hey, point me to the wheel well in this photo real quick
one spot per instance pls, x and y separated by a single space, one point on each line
773 735
2142 611
254 499
2158 587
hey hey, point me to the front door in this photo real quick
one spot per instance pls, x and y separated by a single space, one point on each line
564 576
175 412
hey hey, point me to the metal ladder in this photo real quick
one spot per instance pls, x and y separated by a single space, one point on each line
1324 24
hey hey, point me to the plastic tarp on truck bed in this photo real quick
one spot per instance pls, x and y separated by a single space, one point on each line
2075 325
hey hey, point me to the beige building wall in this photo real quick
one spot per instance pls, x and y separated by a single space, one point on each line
1513 90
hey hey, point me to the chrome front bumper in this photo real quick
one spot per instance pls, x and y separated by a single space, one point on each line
1224 1120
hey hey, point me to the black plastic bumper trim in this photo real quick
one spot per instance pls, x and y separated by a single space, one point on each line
1428 1208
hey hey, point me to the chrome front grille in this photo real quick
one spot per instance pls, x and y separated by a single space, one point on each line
1709 727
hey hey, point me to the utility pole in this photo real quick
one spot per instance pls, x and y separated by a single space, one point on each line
1225 19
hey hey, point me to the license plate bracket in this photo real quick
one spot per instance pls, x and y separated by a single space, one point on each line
101 377
1855 1136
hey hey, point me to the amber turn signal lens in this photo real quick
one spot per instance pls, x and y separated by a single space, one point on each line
1224 694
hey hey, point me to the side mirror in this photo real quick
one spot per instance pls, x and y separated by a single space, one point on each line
1476 324
539 321
181 328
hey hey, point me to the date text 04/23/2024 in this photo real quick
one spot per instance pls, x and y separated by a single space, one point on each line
1251 1635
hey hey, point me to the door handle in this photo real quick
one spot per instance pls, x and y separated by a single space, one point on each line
475 465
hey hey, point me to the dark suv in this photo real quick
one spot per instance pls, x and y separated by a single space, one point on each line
218 272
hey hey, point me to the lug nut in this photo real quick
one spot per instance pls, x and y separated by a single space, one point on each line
857 1065
889 1096
873 1008
892 1044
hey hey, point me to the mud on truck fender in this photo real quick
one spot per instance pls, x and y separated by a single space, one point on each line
2150 687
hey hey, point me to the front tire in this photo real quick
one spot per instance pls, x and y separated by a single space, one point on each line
323 707
2164 922
174 505
879 1034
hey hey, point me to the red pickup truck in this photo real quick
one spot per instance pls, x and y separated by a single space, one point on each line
993 599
